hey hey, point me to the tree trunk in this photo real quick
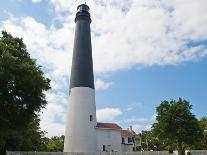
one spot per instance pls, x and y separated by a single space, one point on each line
4 149
181 149
181 152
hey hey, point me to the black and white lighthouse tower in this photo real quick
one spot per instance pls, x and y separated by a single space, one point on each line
80 133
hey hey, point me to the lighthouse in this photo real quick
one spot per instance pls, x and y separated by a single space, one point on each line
80 133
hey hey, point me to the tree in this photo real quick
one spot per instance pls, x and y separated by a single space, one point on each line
22 86
154 143
56 144
29 139
176 126
150 141
202 144
203 124
33 139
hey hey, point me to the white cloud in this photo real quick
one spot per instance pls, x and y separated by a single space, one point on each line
62 5
45 45
53 129
135 119
146 33
154 117
134 106
36 1
108 114
138 128
129 108
205 52
53 116
100 84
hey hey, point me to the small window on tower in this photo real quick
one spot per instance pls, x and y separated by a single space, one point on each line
91 118
104 147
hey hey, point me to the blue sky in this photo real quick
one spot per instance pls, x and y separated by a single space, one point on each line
144 52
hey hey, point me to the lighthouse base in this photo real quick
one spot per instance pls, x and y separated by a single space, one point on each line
80 133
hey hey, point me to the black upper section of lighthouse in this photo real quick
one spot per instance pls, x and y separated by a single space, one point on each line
82 63
83 13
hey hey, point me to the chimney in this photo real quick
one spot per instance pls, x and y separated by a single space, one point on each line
130 127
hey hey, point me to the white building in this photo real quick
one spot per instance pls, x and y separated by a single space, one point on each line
128 140
111 138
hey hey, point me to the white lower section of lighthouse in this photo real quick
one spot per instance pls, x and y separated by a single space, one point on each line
80 133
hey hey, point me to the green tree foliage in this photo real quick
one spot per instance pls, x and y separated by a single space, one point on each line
154 143
176 126
203 124
55 144
202 144
21 94
149 141
33 137
29 139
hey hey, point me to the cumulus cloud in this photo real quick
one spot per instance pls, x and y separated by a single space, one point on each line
149 33
63 5
100 84
144 32
108 114
46 46
53 116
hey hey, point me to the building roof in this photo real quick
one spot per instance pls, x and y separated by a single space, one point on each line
108 126
128 133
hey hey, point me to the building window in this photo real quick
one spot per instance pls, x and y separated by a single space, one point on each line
91 118
122 140
129 139
133 139
104 147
